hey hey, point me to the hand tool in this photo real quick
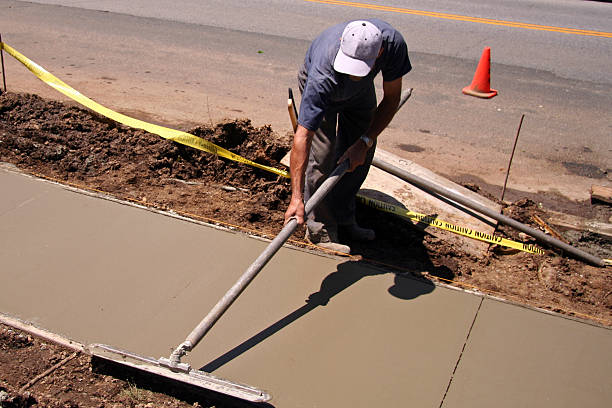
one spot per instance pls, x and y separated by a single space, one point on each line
172 367
292 110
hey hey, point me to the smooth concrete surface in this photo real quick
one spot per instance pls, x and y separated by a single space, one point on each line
516 357
314 331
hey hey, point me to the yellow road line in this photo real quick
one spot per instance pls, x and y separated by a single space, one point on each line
457 17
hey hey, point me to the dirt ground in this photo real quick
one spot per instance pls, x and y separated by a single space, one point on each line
74 146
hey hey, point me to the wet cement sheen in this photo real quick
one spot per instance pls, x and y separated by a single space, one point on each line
313 331
519 358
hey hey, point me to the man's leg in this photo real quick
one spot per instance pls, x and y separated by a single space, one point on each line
351 125
320 165
322 228
321 224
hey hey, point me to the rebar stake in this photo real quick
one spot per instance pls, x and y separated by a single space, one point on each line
518 131
2 59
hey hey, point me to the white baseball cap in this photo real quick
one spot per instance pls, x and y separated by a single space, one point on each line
359 48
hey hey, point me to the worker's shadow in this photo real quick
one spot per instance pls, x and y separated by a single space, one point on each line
406 244
405 287
399 242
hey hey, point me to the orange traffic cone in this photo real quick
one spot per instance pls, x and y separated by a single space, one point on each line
481 86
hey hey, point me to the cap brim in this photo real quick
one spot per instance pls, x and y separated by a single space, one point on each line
352 66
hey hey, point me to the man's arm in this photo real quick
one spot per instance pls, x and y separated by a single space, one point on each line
386 109
298 162
385 112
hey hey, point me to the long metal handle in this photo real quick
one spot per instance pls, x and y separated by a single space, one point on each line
226 301
231 295
444 192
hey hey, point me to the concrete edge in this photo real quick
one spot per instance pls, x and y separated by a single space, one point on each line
8 167
41 333
576 319
14 169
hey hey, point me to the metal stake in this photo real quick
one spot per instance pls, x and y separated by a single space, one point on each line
511 157
2 59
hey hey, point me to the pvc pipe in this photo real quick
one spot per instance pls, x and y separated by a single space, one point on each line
444 192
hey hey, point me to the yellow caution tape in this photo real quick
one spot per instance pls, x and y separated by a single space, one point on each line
167 133
444 225
204 145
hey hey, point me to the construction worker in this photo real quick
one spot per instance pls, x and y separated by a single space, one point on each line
339 120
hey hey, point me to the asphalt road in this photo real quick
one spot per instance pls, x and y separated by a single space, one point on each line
190 62
441 33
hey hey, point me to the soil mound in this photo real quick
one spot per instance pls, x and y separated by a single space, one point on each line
78 146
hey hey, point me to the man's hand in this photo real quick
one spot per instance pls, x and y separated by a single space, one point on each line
298 161
295 210
356 154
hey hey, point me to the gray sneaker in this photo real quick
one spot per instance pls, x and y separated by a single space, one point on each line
327 239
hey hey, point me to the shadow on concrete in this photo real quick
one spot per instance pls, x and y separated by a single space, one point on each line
400 242
405 287
397 240
391 200
348 273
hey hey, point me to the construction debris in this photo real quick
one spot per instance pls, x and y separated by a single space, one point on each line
601 194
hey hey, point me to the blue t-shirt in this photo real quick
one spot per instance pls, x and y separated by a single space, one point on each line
325 89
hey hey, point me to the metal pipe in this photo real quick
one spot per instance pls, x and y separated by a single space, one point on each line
232 294
444 192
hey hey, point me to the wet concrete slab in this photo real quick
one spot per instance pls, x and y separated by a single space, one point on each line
312 330
380 340
516 357
14 196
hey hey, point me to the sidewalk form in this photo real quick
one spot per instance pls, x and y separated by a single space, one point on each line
312 330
